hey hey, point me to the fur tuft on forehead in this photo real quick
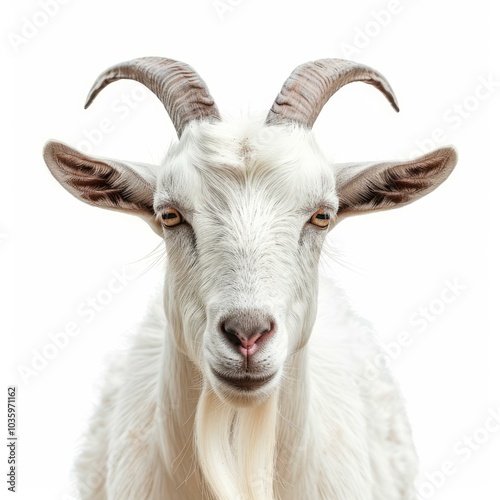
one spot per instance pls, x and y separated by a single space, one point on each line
245 144
278 160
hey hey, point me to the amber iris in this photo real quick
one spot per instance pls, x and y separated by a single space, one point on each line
321 219
171 217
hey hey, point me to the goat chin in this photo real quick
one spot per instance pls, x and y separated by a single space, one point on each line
235 446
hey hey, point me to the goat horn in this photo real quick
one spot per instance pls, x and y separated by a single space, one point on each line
311 84
181 90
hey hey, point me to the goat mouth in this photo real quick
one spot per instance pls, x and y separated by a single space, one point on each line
246 382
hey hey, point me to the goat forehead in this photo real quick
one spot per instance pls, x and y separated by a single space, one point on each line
227 165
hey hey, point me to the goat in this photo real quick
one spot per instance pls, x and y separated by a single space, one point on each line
227 392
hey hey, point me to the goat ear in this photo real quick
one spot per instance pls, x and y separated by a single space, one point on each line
368 187
115 185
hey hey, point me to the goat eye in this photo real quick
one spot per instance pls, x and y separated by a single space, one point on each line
321 219
171 217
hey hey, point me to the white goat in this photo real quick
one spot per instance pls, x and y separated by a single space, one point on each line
227 392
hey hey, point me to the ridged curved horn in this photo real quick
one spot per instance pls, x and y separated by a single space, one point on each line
181 90
311 84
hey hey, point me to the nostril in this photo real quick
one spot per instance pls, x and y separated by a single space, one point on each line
230 334
228 330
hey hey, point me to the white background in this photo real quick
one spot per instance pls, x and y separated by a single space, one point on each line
57 253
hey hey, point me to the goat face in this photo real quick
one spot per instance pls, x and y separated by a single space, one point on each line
244 214
244 210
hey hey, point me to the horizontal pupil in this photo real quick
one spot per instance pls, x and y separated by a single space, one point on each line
322 216
170 215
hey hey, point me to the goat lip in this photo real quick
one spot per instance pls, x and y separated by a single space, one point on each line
245 383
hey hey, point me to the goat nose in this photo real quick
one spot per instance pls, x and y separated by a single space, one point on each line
248 330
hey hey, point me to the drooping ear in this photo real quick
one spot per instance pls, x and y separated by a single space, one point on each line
368 187
115 185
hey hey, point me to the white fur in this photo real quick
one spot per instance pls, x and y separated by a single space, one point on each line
323 428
